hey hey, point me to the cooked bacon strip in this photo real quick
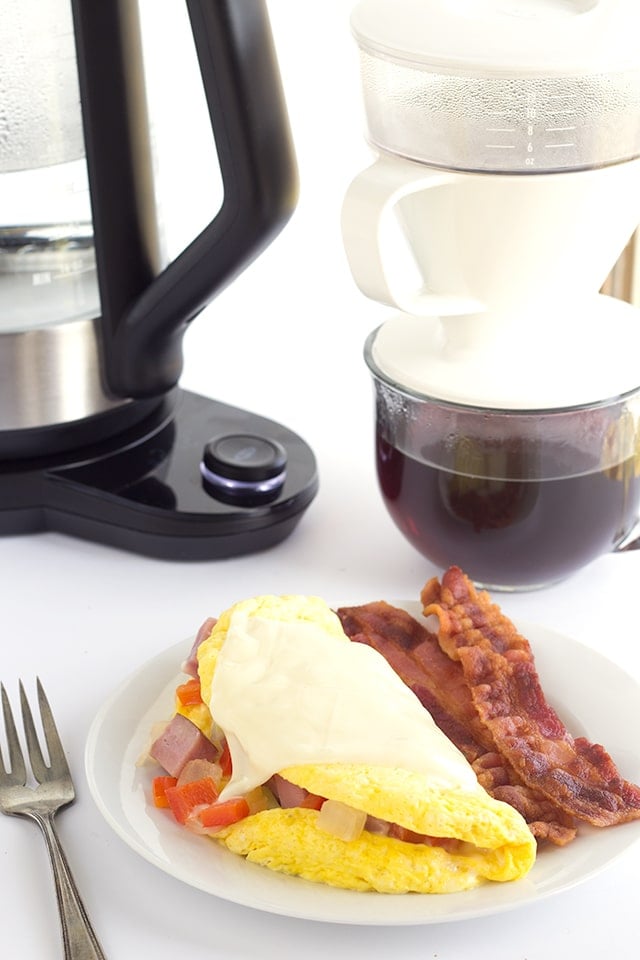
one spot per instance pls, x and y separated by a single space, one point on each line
499 667
438 682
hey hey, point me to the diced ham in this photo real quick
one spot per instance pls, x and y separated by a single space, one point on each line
179 742
190 665
378 826
288 794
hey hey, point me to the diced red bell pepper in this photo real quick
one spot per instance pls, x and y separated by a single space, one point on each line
189 693
224 813
225 760
185 798
159 788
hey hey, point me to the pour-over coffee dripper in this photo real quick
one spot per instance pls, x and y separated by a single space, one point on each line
505 186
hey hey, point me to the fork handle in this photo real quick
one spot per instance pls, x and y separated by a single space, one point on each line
78 937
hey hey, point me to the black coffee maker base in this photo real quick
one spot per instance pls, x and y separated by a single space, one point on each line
150 491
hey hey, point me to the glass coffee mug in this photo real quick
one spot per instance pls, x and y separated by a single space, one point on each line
518 499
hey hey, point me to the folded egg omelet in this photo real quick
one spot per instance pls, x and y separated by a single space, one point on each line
295 696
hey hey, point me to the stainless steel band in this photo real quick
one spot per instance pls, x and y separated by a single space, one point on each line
51 375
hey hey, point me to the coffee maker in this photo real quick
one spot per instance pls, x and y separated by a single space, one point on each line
97 438
505 184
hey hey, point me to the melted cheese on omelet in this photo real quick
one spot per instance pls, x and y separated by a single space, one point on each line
290 694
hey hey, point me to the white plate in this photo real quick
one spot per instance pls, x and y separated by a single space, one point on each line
594 697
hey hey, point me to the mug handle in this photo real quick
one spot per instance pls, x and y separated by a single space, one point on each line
367 207
630 542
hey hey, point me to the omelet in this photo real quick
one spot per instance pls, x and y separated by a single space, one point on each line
294 696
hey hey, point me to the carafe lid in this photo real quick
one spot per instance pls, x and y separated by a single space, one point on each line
560 37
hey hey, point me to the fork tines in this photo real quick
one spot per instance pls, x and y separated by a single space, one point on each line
57 766
17 767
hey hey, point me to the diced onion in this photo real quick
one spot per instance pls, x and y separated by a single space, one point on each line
199 769
341 820
259 799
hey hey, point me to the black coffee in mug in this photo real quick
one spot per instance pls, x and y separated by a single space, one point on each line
517 499
507 532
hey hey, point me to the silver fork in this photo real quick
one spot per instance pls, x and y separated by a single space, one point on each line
55 790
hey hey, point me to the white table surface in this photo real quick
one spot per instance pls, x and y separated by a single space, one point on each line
284 340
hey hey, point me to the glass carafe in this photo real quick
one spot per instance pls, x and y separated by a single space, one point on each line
47 258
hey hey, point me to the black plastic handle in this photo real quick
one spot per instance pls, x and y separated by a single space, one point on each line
144 316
